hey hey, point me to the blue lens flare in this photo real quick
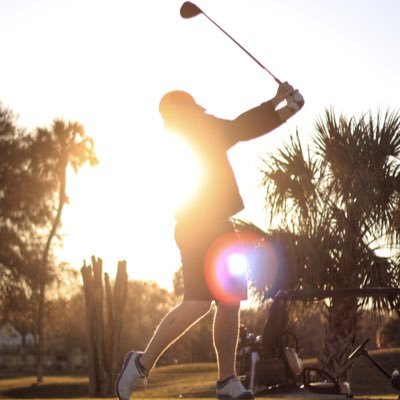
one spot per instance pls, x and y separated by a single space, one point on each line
232 257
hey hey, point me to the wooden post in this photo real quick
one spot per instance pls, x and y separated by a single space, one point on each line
104 316
120 298
87 276
101 372
109 336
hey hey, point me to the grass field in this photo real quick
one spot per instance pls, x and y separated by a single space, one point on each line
197 381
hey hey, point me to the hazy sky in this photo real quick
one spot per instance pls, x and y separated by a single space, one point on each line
107 63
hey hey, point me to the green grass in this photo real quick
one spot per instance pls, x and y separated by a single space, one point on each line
190 380
22 387
197 381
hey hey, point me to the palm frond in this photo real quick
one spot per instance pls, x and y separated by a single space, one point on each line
290 179
340 197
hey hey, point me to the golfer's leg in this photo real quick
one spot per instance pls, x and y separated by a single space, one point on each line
172 327
226 331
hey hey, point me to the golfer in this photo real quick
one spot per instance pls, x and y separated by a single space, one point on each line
201 229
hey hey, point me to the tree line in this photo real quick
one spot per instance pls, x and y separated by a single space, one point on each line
148 303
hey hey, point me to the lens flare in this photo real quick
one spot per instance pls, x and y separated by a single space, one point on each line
237 264
232 257
266 265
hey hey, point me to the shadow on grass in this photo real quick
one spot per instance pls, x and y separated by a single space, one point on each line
367 379
52 390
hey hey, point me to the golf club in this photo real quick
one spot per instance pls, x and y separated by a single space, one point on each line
190 10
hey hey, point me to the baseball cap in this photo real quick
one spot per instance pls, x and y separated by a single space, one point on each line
177 99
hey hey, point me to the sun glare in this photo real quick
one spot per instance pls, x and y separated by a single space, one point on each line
119 209
182 170
237 264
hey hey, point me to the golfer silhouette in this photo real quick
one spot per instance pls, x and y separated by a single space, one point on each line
204 231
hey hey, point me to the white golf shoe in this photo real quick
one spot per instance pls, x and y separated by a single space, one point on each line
130 378
233 389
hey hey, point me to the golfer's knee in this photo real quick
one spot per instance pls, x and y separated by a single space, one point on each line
229 307
197 307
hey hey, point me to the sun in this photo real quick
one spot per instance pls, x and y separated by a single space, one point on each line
124 208
182 170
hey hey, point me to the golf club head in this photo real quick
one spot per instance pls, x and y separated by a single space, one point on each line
189 10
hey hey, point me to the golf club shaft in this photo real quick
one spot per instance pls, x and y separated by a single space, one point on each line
238 44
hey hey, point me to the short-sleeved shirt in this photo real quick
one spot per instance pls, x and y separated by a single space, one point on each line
203 220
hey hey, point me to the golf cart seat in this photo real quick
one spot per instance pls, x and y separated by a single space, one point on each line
272 359
319 381
294 361
279 370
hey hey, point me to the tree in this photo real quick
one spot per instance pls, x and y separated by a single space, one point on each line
104 304
25 212
148 304
65 300
336 205
388 334
24 209
63 145
32 170
177 283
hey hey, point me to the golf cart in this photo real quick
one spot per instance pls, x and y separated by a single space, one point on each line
271 362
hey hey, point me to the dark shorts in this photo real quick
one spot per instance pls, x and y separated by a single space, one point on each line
205 254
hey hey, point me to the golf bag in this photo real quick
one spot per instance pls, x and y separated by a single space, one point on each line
271 360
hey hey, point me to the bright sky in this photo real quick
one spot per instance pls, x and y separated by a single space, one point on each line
106 64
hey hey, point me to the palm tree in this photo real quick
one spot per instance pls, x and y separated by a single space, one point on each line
65 144
338 202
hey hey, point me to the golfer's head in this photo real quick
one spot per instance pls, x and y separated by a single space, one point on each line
178 106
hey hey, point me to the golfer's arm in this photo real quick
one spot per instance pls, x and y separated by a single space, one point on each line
256 122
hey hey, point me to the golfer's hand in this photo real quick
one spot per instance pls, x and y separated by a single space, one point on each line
295 101
283 92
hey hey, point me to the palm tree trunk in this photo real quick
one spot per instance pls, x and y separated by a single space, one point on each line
42 338
43 276
342 316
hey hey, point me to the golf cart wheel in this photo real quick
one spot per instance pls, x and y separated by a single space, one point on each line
395 380
319 381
